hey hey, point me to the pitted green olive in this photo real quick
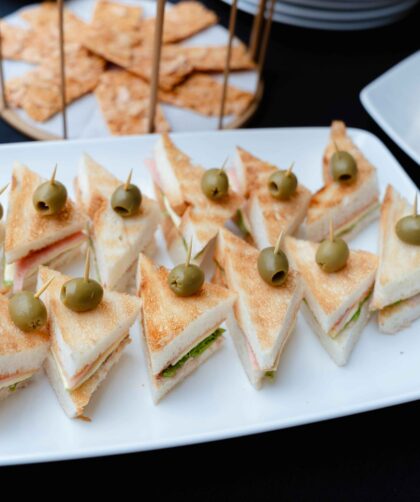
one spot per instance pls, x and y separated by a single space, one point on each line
273 267
343 167
282 184
126 200
332 255
81 295
186 280
215 184
50 198
408 229
27 312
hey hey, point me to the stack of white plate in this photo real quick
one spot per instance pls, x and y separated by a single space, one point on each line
335 14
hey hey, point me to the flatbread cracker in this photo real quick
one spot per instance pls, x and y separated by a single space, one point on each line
119 16
181 21
38 91
124 102
203 94
213 58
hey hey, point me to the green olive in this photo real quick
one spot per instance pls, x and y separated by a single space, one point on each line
81 295
27 312
1 212
50 198
343 167
408 229
332 256
126 201
186 280
273 267
282 184
215 184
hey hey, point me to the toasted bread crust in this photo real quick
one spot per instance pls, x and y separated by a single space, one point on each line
12 339
165 315
24 224
330 290
267 306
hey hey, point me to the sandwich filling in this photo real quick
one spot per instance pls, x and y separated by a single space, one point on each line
11 381
196 351
350 316
89 370
18 272
350 225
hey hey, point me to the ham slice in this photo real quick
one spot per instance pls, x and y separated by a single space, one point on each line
30 263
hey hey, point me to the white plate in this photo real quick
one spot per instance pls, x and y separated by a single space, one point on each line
332 14
322 24
217 401
393 101
84 117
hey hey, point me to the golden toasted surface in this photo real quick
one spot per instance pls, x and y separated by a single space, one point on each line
81 331
12 339
330 290
24 224
124 101
256 170
396 258
333 194
165 315
267 306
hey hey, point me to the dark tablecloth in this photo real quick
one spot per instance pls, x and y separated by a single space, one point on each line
312 77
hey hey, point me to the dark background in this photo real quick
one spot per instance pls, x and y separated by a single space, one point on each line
312 77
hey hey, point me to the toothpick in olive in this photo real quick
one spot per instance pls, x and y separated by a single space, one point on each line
332 254
127 198
282 184
343 167
27 311
273 265
215 183
1 207
186 279
408 227
82 294
50 197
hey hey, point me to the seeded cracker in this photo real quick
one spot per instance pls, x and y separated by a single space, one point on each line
38 91
124 102
202 93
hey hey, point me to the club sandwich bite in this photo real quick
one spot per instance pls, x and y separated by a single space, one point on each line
43 227
397 289
89 329
269 297
338 286
181 318
275 200
196 202
350 195
123 222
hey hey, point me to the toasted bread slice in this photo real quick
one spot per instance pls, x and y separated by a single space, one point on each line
263 313
331 295
117 241
81 342
173 325
399 315
352 207
193 215
398 275
266 216
75 401
21 354
26 229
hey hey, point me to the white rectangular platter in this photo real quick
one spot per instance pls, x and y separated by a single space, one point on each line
393 101
217 401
